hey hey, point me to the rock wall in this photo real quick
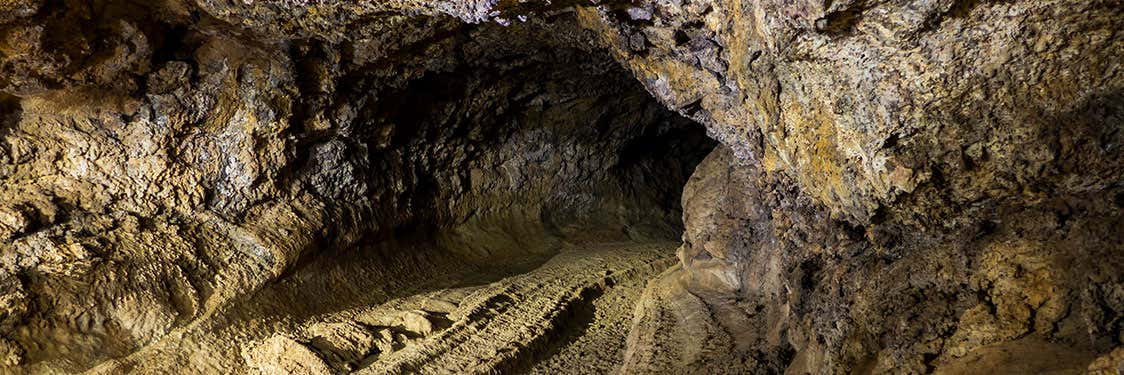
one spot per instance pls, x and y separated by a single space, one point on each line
159 163
772 284
902 186
866 104
905 184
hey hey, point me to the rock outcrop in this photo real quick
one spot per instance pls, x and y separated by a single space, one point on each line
906 182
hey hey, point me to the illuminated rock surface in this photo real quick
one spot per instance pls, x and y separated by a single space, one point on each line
285 186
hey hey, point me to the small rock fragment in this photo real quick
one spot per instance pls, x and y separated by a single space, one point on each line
416 321
282 355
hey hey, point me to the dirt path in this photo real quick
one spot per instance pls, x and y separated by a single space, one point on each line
335 282
569 314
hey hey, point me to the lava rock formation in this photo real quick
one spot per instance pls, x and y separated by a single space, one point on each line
301 186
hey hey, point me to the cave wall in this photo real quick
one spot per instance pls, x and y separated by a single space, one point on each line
159 163
903 185
788 289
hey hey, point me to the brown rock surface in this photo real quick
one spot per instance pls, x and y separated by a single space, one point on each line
286 186
906 181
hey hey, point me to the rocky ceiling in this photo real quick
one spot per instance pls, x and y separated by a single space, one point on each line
458 186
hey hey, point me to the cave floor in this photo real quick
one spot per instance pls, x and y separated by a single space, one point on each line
564 313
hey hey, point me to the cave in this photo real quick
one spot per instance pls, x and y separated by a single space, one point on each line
561 187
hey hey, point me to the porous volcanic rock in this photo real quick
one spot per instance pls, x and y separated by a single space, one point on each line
160 164
903 183
902 186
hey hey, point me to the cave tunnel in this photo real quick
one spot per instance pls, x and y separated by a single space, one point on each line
332 182
561 187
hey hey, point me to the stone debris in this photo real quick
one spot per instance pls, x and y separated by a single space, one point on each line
282 355
463 186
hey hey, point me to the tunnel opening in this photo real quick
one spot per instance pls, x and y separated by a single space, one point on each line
528 140
460 186
528 136
527 184
350 204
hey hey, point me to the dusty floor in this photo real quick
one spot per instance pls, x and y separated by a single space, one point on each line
425 313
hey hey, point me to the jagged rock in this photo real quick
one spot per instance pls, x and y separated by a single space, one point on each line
903 186
905 183
10 354
344 344
12 223
923 109
416 322
385 341
281 355
1108 364
13 301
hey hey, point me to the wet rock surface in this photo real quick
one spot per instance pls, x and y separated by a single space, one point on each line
901 186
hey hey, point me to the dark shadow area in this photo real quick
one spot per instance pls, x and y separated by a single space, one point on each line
525 140
482 172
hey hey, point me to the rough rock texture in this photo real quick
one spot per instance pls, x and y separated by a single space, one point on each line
905 182
785 288
903 186
161 163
